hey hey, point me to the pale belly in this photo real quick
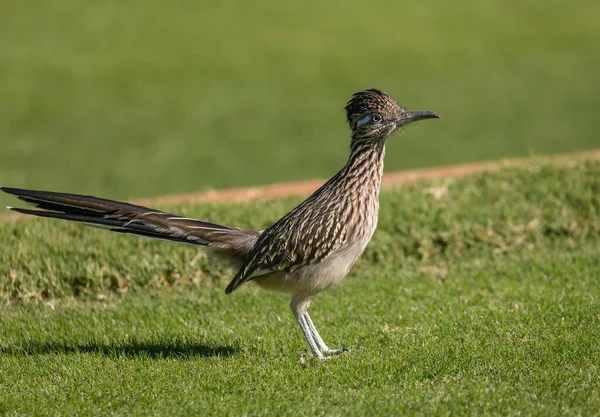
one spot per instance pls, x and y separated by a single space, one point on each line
316 277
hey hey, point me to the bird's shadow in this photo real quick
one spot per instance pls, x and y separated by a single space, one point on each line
132 349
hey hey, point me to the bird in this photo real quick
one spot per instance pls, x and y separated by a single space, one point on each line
308 250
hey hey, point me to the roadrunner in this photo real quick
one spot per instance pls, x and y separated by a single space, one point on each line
308 250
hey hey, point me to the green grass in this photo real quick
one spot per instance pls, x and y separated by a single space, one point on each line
139 98
484 302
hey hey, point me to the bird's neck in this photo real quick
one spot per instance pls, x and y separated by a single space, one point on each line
365 167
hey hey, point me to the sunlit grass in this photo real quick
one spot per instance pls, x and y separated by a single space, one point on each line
484 301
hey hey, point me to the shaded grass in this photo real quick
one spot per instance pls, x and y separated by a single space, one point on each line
484 302
131 99
481 217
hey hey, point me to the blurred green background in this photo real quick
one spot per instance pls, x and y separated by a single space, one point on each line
126 99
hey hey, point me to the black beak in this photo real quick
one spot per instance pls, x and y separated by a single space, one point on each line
415 116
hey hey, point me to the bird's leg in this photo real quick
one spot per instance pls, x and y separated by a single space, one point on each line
320 343
316 336
308 335
299 306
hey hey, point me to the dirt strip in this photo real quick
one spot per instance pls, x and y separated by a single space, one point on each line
303 188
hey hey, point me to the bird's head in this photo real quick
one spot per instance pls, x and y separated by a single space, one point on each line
374 115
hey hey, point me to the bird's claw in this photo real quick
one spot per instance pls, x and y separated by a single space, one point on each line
336 352
333 353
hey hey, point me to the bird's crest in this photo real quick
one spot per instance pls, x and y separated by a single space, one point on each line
370 101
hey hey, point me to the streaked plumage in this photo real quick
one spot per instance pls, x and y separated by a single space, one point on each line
306 251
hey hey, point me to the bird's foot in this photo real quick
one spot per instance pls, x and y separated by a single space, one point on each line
336 352
333 353
326 355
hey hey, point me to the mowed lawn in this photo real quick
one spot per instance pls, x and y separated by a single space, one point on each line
130 99
484 301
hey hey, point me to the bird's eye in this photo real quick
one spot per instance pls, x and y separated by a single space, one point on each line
377 118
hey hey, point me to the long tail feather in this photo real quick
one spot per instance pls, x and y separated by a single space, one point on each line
136 220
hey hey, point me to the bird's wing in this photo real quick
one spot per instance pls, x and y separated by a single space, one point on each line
306 235
271 256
